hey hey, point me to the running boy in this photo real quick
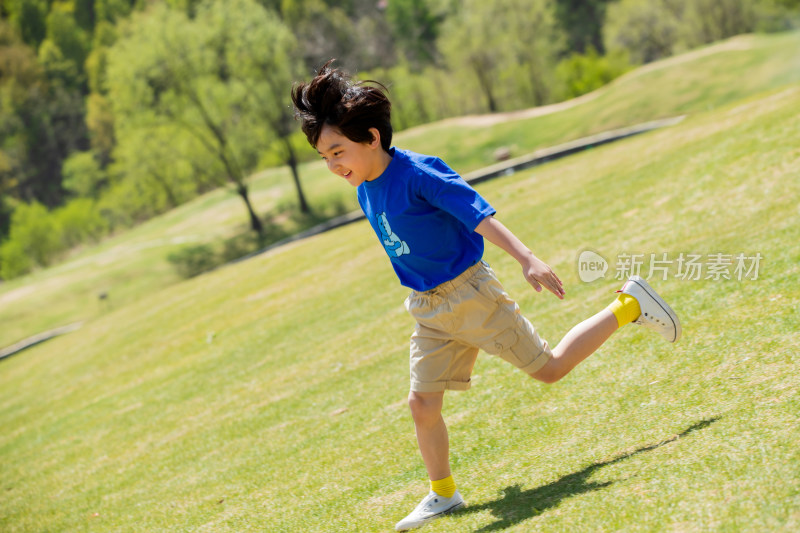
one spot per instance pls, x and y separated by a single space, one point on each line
432 225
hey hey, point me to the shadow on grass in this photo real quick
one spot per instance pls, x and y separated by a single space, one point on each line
517 505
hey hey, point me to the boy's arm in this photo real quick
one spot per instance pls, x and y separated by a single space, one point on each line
534 269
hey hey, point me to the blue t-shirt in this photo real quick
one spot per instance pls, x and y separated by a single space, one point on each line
425 216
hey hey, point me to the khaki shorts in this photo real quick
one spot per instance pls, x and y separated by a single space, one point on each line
457 318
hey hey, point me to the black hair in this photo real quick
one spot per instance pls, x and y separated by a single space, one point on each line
353 108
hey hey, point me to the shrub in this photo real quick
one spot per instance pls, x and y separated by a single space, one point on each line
583 73
14 261
37 236
82 175
79 221
34 235
192 260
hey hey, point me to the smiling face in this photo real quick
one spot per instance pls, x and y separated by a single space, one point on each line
356 162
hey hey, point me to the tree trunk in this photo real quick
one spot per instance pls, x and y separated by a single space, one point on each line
255 222
484 79
291 160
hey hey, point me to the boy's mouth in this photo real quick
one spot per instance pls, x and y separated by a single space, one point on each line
347 174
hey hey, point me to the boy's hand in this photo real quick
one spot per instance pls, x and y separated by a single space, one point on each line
535 270
539 275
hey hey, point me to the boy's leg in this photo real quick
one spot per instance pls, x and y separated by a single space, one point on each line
578 344
638 303
434 443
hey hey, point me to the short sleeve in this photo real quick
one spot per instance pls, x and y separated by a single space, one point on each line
443 188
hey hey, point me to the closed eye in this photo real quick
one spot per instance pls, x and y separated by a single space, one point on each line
335 154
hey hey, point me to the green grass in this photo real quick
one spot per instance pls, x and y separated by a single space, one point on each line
269 395
134 264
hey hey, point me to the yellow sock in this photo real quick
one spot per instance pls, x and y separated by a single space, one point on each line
444 487
625 308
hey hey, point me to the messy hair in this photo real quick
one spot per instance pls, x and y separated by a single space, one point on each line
353 108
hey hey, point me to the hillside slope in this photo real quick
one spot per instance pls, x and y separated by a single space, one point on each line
270 394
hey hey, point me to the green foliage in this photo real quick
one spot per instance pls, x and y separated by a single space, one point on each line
328 30
415 27
214 86
777 15
512 58
100 123
28 17
583 73
33 233
96 63
148 178
275 154
37 236
187 6
84 12
79 222
706 21
650 30
57 67
423 95
68 37
5 214
83 175
14 260
111 10
41 119
582 22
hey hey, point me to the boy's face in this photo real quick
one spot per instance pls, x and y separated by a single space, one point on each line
355 162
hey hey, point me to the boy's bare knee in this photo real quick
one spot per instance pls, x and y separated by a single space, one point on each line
547 375
426 407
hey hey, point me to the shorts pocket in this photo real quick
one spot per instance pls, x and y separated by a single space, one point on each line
502 343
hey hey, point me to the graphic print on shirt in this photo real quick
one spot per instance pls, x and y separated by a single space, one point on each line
394 246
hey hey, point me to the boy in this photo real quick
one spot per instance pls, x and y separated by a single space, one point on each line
432 225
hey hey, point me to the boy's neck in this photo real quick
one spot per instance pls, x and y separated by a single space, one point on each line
384 158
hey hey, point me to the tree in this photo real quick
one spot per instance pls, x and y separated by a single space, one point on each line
648 30
324 32
415 26
69 39
513 58
83 175
706 21
218 83
653 29
582 21
41 120
268 72
28 17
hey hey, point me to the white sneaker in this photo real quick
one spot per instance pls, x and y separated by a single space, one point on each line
656 314
430 508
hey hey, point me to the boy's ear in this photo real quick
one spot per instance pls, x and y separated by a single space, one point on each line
376 137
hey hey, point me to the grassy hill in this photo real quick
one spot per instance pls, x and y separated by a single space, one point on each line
269 395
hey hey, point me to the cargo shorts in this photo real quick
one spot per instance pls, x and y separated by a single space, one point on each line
460 317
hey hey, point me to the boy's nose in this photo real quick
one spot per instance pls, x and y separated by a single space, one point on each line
331 166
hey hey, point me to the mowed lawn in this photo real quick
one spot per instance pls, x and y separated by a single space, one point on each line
269 395
134 263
